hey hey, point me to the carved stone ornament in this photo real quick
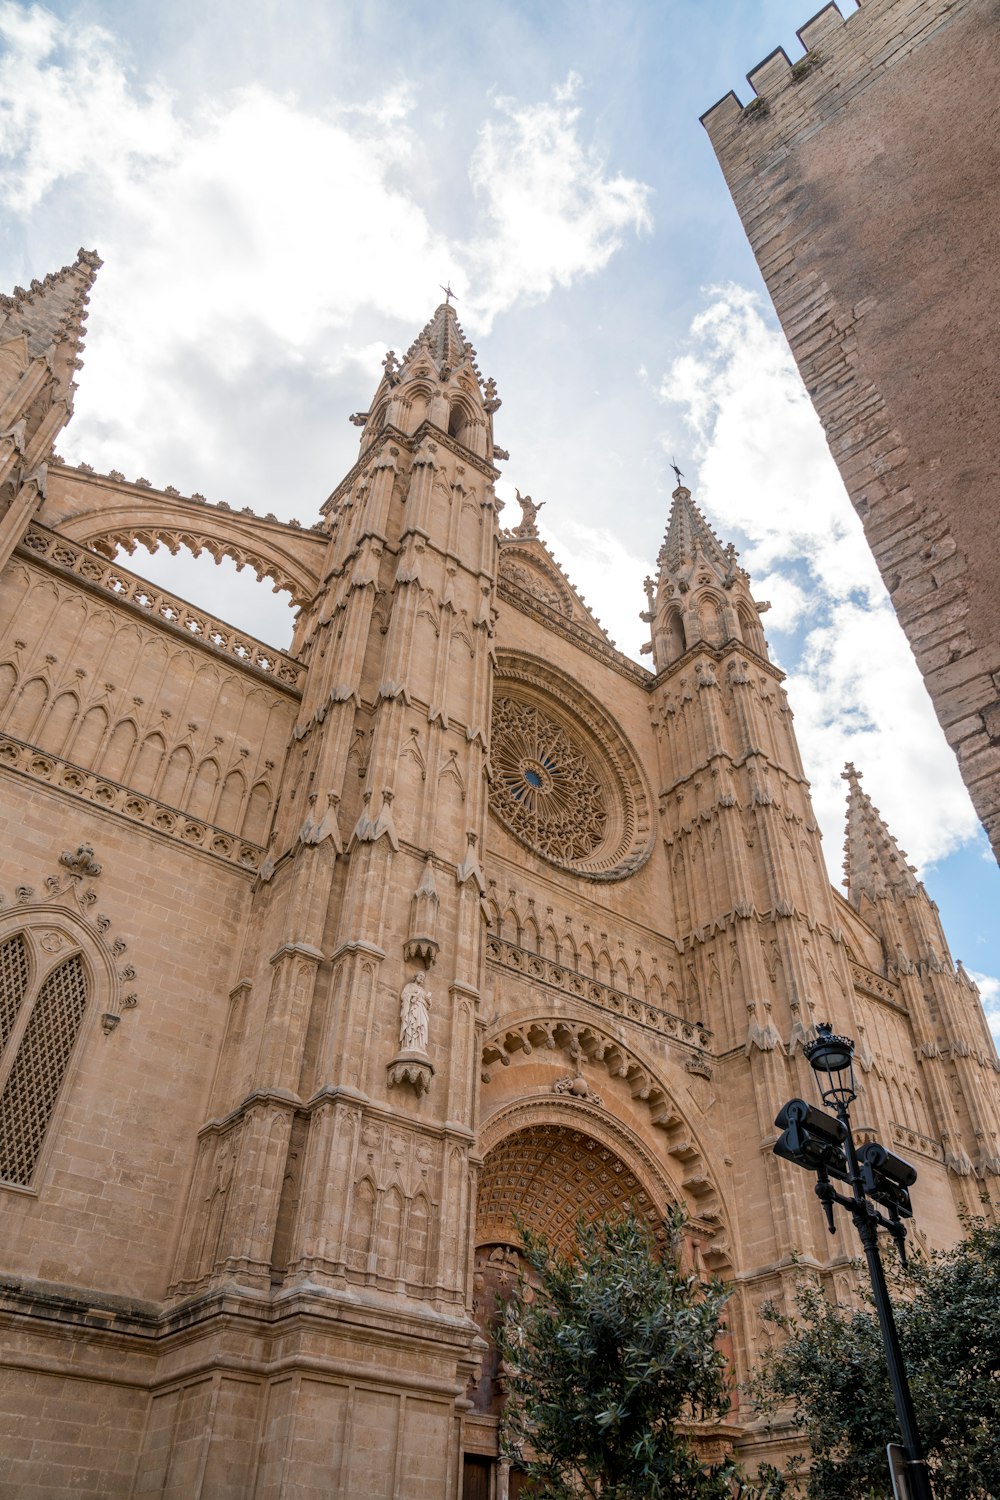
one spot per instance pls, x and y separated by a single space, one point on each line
577 1087
414 1016
81 863
415 1070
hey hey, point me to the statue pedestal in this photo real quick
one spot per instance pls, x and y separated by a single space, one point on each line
414 1068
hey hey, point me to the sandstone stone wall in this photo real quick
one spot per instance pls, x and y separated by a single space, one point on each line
867 177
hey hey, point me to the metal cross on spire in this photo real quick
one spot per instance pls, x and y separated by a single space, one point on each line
448 293
680 476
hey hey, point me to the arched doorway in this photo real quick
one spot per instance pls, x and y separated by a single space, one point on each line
547 1174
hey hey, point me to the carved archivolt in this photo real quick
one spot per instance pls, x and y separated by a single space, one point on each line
549 1174
518 573
581 1041
565 781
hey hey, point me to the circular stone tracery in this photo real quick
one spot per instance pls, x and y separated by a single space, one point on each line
550 796
565 783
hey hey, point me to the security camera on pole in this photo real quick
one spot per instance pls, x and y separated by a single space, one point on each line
823 1143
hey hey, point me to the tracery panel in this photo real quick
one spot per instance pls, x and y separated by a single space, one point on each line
35 1073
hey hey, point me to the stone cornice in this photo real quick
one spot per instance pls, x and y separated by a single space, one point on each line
576 635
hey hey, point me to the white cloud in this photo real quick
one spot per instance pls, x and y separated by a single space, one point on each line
553 213
67 108
248 237
765 471
989 990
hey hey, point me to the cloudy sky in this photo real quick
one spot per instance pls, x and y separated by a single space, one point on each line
277 192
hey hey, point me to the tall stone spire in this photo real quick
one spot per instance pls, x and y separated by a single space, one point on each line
438 382
689 539
41 338
443 339
53 310
701 594
874 864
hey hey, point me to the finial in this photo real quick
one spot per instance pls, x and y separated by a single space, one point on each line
677 472
448 293
849 773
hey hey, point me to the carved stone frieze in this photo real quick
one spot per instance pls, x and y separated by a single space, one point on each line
112 797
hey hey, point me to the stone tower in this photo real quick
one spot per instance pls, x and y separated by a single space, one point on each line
319 967
878 253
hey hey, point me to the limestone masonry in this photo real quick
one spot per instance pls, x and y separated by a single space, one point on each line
318 966
867 176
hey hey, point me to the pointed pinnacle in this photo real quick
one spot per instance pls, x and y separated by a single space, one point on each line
874 864
688 533
54 310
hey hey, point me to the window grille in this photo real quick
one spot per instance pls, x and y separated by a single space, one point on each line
13 983
39 1064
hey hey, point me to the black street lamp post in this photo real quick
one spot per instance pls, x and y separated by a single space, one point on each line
824 1144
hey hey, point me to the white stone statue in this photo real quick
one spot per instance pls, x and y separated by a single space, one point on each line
414 1015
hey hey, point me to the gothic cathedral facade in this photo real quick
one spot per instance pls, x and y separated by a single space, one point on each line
317 967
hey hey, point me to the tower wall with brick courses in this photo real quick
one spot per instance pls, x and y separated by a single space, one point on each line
865 174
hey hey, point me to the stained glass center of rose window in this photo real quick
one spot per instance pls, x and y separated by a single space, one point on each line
546 790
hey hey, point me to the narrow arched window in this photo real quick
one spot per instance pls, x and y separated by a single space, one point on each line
39 1025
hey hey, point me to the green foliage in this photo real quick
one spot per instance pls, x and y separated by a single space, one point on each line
603 1357
831 1373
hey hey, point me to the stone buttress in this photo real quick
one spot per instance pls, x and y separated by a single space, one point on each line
344 1135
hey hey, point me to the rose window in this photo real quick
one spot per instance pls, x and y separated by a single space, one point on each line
546 789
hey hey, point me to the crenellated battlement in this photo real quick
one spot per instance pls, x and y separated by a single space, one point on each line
842 56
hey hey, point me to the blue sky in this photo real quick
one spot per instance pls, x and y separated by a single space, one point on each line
278 190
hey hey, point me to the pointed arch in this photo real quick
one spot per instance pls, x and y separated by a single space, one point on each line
8 682
204 788
390 1232
494 920
175 777
114 764
58 722
34 1076
750 629
361 1225
711 617
149 761
28 707
258 813
417 1238
675 633
89 737
230 810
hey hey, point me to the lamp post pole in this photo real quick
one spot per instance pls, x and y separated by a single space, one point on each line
867 1220
824 1144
